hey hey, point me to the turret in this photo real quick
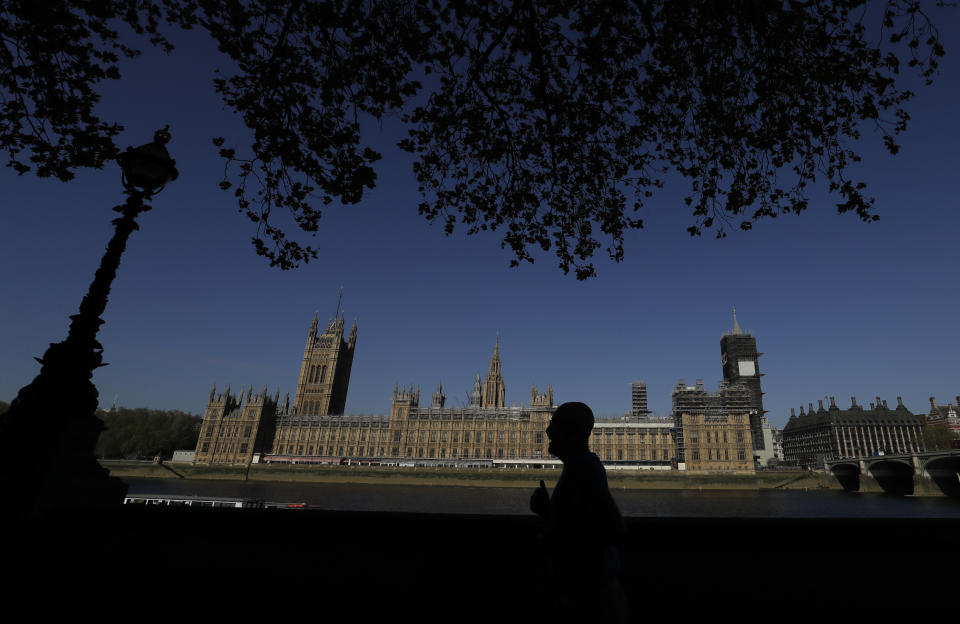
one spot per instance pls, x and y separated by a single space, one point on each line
438 397
476 395
313 328
352 340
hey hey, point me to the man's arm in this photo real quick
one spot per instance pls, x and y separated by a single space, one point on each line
540 501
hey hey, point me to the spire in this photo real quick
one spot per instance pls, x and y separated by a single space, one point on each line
475 396
353 333
736 326
313 324
213 392
439 399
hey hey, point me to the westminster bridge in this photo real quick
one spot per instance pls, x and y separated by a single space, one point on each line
900 474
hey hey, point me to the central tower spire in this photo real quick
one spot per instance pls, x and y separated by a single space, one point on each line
493 387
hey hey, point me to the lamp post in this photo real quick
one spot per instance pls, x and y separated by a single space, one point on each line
49 435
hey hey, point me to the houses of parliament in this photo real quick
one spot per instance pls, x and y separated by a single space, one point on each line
248 428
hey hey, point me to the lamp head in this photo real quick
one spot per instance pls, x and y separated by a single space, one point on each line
148 168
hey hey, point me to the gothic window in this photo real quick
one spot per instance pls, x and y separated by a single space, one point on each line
323 373
466 437
539 437
247 431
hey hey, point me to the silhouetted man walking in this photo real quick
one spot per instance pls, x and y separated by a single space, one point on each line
583 525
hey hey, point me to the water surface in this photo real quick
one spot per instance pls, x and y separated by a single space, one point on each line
515 501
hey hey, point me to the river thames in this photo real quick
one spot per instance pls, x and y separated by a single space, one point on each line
514 501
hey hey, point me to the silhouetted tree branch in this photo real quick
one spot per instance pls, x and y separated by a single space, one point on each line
552 121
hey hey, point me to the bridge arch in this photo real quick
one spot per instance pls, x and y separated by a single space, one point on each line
894 476
848 474
945 472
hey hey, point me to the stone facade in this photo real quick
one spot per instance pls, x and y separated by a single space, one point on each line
484 430
714 431
235 428
717 442
650 443
325 371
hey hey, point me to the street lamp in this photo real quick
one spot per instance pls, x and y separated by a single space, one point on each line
49 434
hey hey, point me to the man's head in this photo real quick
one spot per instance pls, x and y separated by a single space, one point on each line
569 429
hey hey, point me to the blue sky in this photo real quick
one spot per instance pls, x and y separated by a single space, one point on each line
838 307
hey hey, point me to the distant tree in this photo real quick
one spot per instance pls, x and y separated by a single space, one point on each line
4 406
937 437
552 121
141 433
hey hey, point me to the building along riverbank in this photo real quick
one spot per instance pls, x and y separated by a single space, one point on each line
470 477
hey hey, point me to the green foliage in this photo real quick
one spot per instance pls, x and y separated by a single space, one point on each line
553 121
937 437
144 433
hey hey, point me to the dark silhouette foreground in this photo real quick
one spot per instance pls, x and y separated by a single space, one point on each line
583 528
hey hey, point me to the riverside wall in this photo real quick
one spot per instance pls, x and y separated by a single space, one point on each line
475 477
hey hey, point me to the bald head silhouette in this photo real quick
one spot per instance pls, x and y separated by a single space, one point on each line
569 429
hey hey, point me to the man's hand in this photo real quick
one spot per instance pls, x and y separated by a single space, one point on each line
540 501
